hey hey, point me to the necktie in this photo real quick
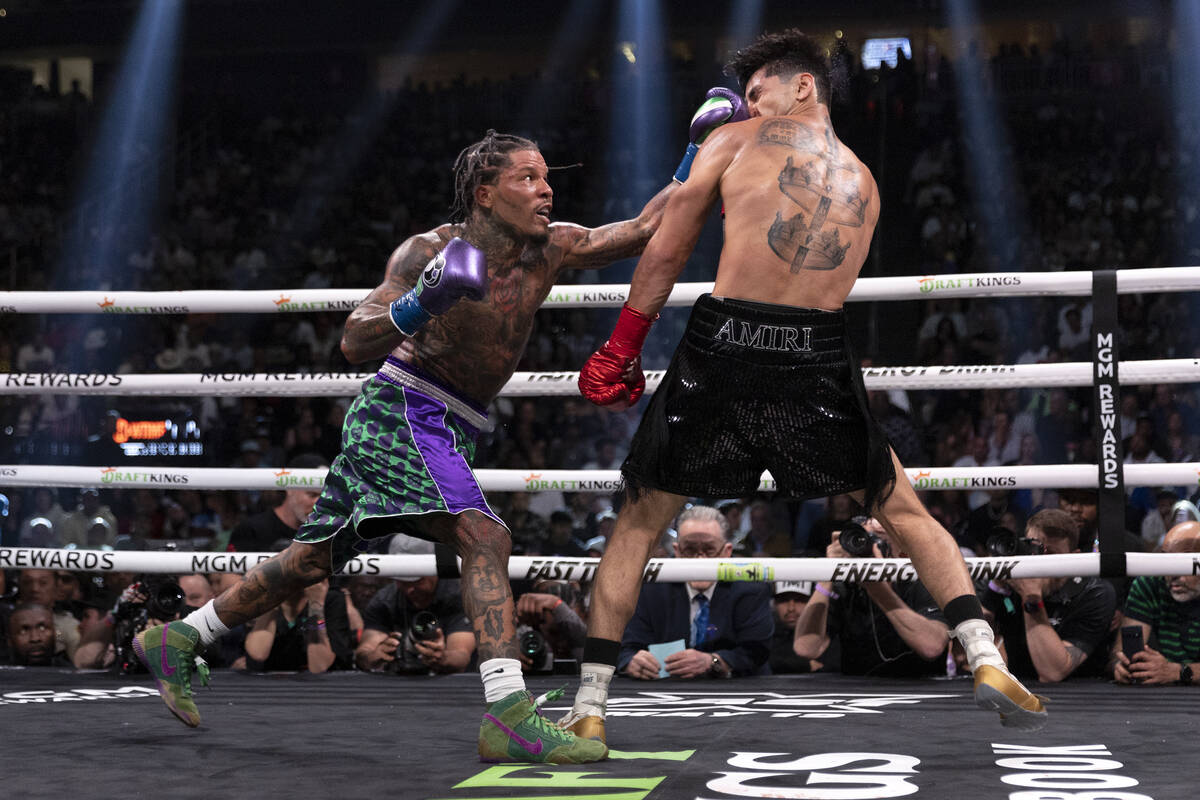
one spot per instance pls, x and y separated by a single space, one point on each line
700 621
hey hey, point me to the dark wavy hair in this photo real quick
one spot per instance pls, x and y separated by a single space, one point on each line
481 163
784 53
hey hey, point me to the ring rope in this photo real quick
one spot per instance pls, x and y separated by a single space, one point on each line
1039 476
550 384
613 295
660 570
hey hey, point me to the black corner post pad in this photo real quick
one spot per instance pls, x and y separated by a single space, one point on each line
447 561
1106 410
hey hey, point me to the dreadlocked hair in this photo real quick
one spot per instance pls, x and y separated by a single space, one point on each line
784 53
480 163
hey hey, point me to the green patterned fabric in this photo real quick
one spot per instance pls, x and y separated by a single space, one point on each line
1176 625
379 473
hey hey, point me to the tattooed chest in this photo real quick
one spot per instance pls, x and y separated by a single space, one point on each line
476 346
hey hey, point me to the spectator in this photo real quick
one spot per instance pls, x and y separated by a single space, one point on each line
1158 520
788 604
766 537
48 515
983 521
529 530
561 540
76 526
879 629
308 631
32 638
980 456
1168 612
196 590
398 616
272 530
1052 626
726 626
40 586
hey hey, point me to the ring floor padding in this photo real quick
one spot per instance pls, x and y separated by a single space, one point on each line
352 735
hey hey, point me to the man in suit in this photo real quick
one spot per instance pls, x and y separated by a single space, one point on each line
727 626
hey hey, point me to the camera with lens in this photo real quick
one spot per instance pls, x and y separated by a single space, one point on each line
157 597
1003 542
857 540
424 627
534 647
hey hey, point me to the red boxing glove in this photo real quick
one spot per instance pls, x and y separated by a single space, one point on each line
613 377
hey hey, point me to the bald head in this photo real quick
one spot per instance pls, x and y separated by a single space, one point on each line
1183 538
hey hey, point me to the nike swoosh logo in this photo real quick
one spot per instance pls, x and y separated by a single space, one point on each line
167 669
208 625
534 748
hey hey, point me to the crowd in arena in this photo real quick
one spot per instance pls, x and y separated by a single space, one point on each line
265 197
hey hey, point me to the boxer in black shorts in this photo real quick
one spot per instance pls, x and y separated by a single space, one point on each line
755 386
763 378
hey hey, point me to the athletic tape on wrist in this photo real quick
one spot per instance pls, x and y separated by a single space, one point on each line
407 313
685 166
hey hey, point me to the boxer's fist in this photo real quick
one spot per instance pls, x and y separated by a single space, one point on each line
459 271
613 377
720 106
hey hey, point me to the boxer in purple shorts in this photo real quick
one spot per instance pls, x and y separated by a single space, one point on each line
452 317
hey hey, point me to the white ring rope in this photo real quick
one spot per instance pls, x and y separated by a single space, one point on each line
1042 476
612 295
562 384
661 570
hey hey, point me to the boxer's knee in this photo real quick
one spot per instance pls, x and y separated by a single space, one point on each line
474 533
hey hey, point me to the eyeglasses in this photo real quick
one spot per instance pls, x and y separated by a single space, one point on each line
694 551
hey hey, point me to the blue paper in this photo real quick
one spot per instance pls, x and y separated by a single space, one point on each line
664 649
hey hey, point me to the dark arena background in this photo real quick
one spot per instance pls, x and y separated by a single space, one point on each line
195 194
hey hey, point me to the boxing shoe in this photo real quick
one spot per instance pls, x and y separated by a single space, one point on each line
997 690
513 729
169 653
585 726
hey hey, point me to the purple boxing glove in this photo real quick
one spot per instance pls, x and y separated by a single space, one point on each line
720 106
459 271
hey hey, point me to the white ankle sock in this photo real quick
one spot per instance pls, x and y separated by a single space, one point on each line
501 677
975 635
206 621
592 697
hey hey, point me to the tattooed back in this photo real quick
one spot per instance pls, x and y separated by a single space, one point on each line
800 211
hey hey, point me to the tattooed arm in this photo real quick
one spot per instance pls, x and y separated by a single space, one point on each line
668 251
590 248
370 332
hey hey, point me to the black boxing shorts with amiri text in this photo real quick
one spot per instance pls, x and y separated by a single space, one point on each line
756 387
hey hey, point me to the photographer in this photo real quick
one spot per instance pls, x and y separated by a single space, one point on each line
415 625
149 600
308 631
550 625
882 629
1051 626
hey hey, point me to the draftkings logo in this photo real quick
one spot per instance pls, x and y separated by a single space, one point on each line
942 283
285 479
832 705
535 482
